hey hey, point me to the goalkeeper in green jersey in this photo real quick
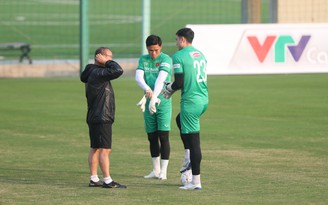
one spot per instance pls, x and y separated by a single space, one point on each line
153 70
189 66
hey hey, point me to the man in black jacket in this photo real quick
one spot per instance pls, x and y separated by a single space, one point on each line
101 114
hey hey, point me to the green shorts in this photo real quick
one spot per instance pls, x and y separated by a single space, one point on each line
189 116
161 120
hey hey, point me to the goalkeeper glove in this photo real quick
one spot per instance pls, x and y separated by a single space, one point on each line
167 91
152 104
142 103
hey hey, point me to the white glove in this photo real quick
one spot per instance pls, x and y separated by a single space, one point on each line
152 105
167 91
142 103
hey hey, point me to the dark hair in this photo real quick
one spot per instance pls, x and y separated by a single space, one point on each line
187 33
153 40
101 50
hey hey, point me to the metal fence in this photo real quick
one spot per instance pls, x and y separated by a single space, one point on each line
51 28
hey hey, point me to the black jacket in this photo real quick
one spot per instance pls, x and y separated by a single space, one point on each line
99 91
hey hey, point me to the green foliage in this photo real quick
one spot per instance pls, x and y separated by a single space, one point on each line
264 141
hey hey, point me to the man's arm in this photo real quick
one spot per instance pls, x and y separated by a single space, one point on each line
176 85
112 70
157 90
142 83
170 88
159 82
178 81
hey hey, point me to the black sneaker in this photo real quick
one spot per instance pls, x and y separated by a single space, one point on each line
113 185
94 184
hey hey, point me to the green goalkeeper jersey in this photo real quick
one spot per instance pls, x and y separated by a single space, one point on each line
151 67
192 63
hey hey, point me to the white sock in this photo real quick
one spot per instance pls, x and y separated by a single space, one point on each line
164 164
187 155
108 180
196 179
94 178
156 165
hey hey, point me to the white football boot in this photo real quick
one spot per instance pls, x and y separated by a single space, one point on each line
156 168
191 186
152 175
194 185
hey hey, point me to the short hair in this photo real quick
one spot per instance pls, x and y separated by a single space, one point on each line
101 50
153 40
187 33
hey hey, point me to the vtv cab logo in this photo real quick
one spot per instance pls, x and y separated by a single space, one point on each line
280 44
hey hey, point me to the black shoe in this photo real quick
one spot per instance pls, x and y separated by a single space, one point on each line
113 185
94 184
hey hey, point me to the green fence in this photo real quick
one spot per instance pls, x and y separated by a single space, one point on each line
52 26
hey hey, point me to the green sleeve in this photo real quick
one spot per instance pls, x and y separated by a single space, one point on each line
166 64
141 63
177 64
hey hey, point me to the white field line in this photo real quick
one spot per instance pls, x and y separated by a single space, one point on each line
59 20
111 45
122 45
38 2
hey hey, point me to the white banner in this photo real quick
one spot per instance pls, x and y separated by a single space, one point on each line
263 48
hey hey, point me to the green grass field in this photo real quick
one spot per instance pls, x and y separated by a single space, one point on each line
52 27
264 141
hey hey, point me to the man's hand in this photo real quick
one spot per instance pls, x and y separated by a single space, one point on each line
101 59
152 105
149 94
142 103
167 91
